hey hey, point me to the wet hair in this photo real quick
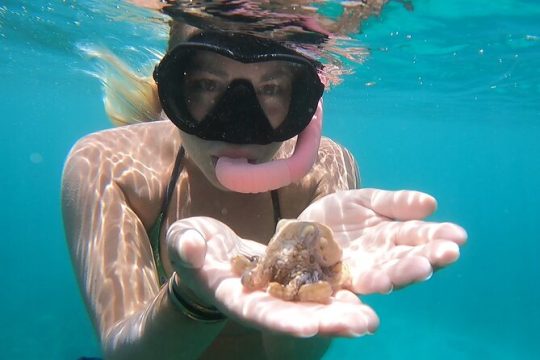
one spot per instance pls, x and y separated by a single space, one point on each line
131 96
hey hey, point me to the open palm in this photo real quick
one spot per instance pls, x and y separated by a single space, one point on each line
384 246
385 243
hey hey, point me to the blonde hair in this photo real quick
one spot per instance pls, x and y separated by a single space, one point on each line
129 97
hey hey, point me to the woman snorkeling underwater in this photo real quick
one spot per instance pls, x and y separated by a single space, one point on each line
154 212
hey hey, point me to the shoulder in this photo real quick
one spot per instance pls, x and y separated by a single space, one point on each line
331 151
335 169
129 164
339 161
132 145
136 139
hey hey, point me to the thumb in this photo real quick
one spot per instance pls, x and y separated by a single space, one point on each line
187 246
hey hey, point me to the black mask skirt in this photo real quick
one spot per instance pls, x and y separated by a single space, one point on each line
202 100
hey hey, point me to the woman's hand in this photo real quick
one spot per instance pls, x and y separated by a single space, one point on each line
385 245
201 250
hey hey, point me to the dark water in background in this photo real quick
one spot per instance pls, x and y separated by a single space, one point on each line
447 103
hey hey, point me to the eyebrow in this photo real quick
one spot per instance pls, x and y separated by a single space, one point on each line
206 65
210 70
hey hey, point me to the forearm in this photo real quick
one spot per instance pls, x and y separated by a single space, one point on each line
161 331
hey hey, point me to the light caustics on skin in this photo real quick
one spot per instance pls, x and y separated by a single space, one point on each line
240 176
104 232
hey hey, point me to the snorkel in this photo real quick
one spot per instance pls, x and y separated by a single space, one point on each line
240 176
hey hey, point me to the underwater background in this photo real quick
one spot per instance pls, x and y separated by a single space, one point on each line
448 102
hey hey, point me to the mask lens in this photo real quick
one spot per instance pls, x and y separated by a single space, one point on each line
274 89
202 92
209 76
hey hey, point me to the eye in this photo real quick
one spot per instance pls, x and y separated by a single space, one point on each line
203 85
270 89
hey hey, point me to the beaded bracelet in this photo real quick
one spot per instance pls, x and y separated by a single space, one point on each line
194 311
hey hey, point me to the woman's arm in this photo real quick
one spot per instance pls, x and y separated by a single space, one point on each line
112 256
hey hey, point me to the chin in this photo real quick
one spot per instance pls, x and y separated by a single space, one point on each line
210 174
215 182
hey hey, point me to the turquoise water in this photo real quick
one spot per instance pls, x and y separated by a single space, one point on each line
448 103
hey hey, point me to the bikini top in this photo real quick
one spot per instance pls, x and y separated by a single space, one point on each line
154 234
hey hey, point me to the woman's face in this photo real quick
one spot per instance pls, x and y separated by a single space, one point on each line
210 74
206 81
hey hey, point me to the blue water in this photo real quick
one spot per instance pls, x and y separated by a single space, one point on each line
448 103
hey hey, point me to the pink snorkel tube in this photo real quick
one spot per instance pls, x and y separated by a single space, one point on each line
240 176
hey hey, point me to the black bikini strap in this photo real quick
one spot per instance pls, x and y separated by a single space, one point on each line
275 205
156 231
172 182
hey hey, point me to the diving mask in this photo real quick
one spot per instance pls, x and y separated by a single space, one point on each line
202 98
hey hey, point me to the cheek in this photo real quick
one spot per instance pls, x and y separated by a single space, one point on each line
199 152
195 147
276 108
199 105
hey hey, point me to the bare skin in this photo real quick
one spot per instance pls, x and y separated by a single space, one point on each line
112 190
113 187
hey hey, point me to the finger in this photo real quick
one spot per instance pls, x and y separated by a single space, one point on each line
374 281
265 312
187 246
393 275
365 320
409 270
354 319
208 227
189 239
440 253
399 205
414 233
344 316
443 253
347 296
198 249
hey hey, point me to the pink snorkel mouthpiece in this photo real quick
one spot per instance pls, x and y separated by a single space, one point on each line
240 176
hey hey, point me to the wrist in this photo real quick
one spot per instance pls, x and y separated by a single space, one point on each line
189 305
